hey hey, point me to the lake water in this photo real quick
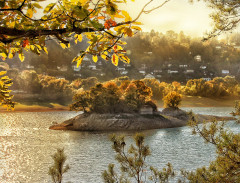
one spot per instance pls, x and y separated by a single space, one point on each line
26 146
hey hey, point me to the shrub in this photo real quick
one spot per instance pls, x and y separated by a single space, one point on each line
172 99
57 170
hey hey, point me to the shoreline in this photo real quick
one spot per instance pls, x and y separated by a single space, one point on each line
19 108
188 101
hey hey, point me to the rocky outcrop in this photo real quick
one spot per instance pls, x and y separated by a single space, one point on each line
111 122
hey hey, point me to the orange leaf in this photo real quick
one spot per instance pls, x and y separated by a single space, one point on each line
101 17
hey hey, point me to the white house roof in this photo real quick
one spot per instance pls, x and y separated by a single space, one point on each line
149 76
225 71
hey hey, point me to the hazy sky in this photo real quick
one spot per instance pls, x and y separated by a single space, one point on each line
176 15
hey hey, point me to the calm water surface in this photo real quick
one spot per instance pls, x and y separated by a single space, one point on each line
26 146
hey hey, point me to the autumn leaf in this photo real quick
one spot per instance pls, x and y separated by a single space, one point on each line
115 60
95 58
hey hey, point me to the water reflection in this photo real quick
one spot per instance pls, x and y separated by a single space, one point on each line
27 145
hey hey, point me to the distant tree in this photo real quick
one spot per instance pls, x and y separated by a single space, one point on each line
58 168
154 84
111 98
56 89
137 94
172 100
28 81
133 163
81 101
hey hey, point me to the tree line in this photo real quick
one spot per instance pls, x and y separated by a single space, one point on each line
49 88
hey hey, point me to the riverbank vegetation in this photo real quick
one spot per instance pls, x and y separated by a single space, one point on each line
30 86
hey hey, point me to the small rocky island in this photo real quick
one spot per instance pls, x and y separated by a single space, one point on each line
125 121
109 107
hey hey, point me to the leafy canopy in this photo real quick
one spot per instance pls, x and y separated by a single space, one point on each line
101 22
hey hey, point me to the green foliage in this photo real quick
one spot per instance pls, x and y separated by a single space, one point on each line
110 98
172 99
133 163
226 166
58 168
5 97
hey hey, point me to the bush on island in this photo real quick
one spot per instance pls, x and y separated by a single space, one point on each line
172 100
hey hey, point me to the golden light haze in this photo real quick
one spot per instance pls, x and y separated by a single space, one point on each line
177 15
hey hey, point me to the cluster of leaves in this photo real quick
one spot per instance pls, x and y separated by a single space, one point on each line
227 164
101 22
172 99
130 96
133 163
226 16
5 97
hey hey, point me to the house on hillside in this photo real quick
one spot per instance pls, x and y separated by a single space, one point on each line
142 72
198 58
156 71
183 66
225 72
173 72
76 69
92 67
149 76
30 67
203 67
63 68
120 69
189 71
207 79
123 72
